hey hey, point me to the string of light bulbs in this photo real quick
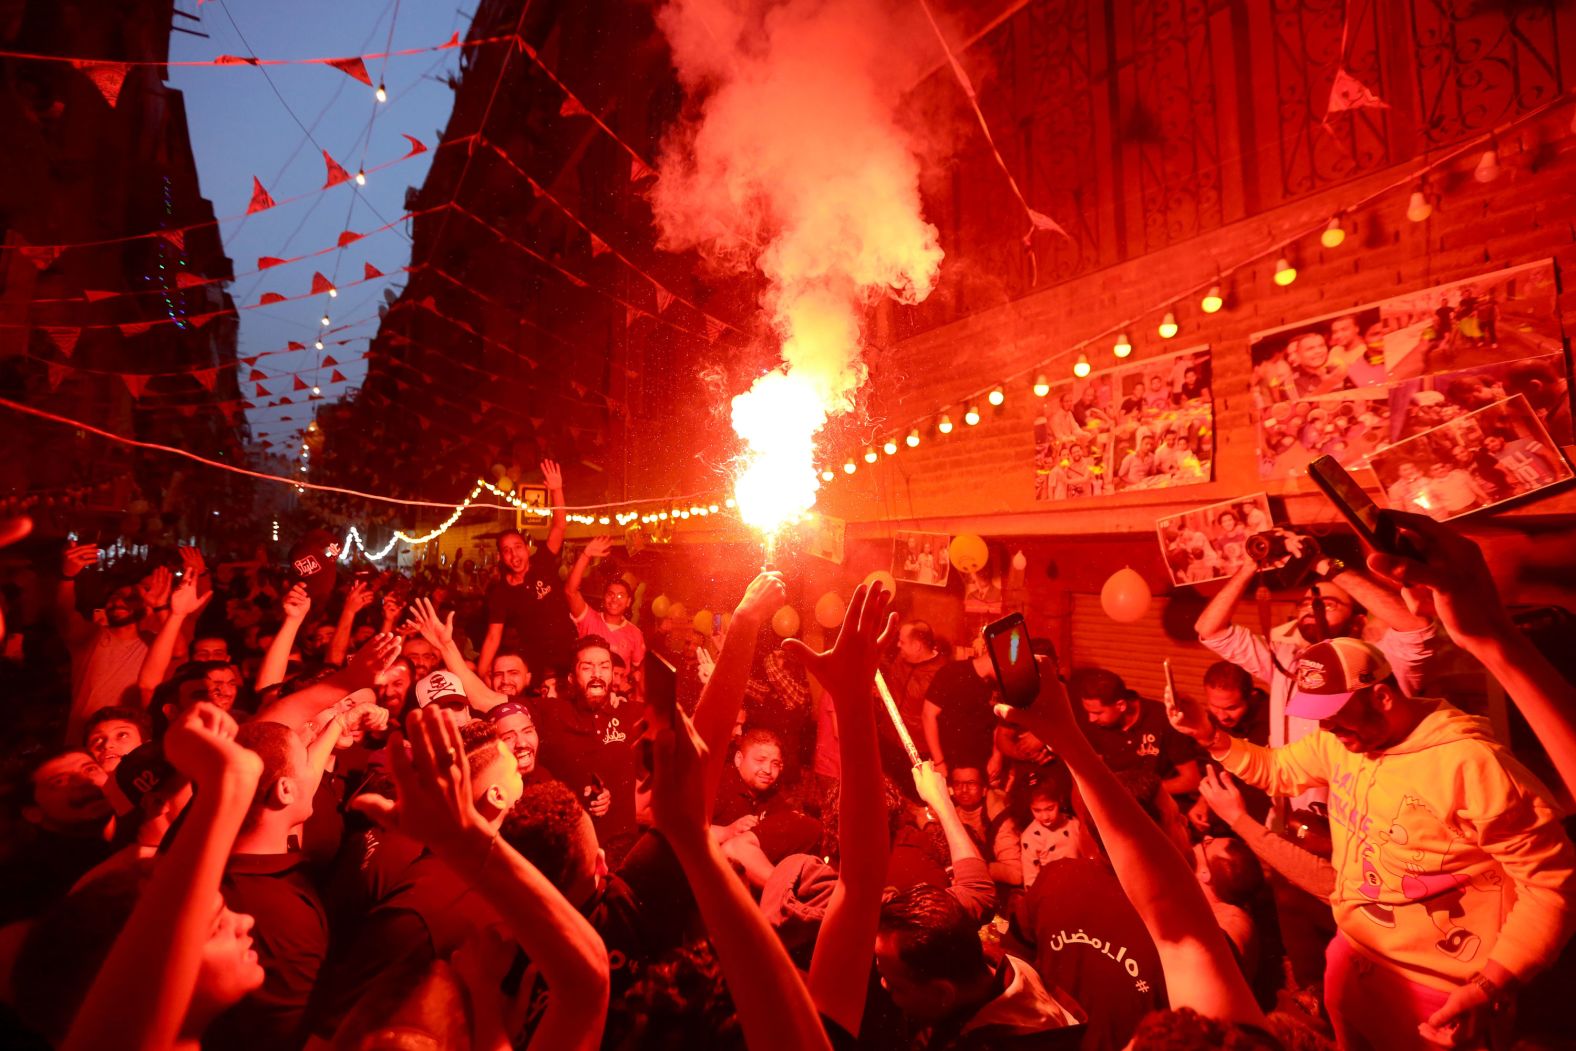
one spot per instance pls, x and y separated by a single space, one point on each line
1331 235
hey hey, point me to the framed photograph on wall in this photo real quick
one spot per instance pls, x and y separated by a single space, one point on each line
1210 542
921 558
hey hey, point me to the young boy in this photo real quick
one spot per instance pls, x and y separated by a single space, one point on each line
1053 834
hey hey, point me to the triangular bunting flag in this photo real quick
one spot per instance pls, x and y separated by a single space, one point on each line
664 299
426 424
328 360
261 201
93 295
320 284
1041 221
232 60
270 297
336 174
368 272
200 320
176 237
293 345
266 261
135 384
337 377
57 372
598 246
257 374
351 67
248 405
572 108
206 377
1347 92
416 145
454 41
284 399
108 77
42 256
64 339
252 360
639 169
299 385
229 408
186 280
714 329
134 328
262 391
349 237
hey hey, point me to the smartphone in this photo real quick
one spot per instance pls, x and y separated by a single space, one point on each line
662 685
1368 519
716 623
1017 673
1171 681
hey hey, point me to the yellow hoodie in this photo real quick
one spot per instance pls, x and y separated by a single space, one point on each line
1447 851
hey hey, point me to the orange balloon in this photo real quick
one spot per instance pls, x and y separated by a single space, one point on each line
785 622
829 609
1125 596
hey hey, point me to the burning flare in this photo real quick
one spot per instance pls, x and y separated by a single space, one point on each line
794 164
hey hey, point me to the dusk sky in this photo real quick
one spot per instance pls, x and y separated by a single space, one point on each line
240 128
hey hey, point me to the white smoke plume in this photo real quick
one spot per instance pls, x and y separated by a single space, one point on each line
791 161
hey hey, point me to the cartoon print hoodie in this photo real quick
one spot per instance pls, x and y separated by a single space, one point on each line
1447 851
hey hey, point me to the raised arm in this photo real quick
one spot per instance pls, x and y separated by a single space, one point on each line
440 633
1216 617
845 947
1200 969
358 598
599 547
184 603
972 885
1303 868
553 478
490 643
436 807
297 709
718 708
1383 602
276 662
774 1008
71 624
144 989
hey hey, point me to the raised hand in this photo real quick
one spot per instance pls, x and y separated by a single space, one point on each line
1050 718
296 603
424 619
678 782
371 660
434 804
931 784
358 598
1221 793
155 587
599 547
201 745
391 610
763 597
1189 716
599 804
359 719
192 564
848 669
552 476
77 558
1453 571
184 600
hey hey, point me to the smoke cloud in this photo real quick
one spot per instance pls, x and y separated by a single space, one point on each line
791 162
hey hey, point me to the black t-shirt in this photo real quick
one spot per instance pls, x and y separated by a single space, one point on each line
535 613
1090 941
290 935
1151 743
585 746
966 724
782 830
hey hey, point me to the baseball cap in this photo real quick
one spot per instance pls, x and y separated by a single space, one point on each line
142 770
438 688
500 712
314 562
1330 672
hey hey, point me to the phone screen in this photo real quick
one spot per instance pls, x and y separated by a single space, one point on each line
1357 507
1007 640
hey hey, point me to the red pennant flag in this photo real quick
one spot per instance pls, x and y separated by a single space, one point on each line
664 299
598 246
64 339
94 296
199 320
454 41
1041 221
328 359
257 374
266 261
351 67
270 297
43 256
262 391
714 329
293 345
248 405
232 60
573 108
337 377
108 77
57 372
261 201
252 360
135 384
298 384
207 377
639 169
134 328
630 314
186 280
368 272
175 237
349 237
1347 92
336 174
415 145
284 400
320 284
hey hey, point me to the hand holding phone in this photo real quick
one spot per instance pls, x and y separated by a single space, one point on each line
1375 525
1017 672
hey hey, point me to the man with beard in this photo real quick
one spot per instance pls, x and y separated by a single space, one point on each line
527 600
754 823
1345 596
107 652
516 728
592 744
510 674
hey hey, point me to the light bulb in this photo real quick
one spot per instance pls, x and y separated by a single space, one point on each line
849 466
890 447
913 437
996 396
972 416
361 178
1487 169
325 320
1212 300
318 344
381 94
944 425
1122 348
1042 386
828 474
1333 234
333 293
1418 208
870 454
1081 366
1168 325
316 389
1285 273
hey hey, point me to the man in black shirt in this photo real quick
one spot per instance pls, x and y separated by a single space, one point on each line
1130 732
958 718
528 599
1243 712
63 800
590 740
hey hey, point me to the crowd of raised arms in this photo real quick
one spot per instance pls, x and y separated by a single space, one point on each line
295 806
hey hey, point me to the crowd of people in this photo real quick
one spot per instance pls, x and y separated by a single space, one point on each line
262 807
